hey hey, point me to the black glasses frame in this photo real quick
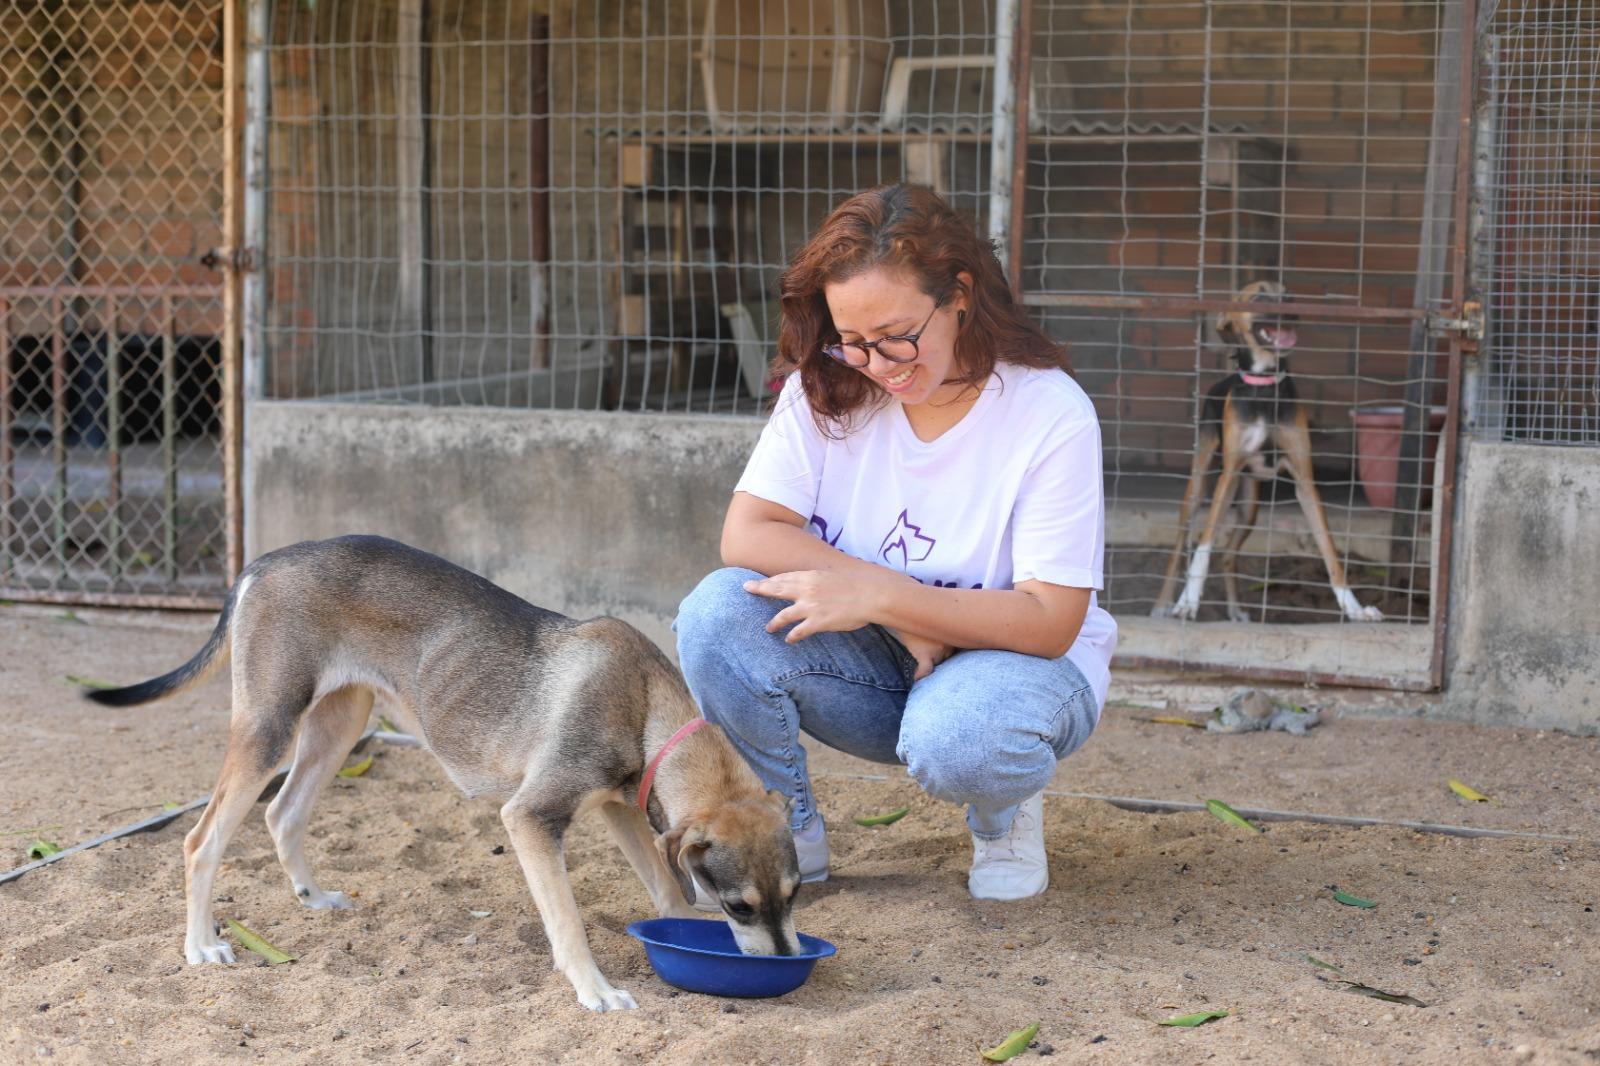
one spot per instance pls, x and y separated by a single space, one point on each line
836 351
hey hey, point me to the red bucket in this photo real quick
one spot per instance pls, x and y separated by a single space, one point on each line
1378 433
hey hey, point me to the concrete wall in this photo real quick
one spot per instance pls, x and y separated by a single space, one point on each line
583 513
597 513
1524 644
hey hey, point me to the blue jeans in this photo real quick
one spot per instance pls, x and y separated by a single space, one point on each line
985 729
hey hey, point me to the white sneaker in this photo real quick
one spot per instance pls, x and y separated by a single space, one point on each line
811 848
1013 866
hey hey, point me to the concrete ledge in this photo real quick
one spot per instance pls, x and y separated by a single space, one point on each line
1378 654
594 513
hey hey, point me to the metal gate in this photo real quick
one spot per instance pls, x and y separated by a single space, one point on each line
1270 131
117 414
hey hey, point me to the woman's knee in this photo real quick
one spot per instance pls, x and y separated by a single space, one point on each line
992 764
717 604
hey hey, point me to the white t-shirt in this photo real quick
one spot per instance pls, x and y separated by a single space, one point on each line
1010 493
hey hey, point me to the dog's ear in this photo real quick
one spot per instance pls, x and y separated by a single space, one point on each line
784 805
682 848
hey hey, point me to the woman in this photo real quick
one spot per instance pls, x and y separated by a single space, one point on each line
912 552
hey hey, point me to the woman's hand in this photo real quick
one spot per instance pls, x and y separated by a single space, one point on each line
927 651
821 601
824 601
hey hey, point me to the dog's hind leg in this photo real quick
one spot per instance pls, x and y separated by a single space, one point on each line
258 739
536 833
326 736
1249 504
1192 494
632 834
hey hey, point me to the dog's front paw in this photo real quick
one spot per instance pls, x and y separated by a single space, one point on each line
1161 610
604 998
198 952
1238 614
1185 609
320 900
1352 608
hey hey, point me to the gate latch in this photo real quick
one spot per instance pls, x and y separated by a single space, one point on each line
1469 325
243 260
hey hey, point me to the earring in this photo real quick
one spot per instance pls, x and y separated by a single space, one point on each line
961 319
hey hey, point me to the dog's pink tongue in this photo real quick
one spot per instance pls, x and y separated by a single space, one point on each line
1285 338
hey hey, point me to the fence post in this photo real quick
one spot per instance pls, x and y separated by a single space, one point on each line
233 507
1483 406
254 363
1438 207
1002 159
5 442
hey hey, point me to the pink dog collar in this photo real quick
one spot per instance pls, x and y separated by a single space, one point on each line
1261 380
650 771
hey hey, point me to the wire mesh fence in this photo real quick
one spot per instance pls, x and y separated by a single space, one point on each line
1540 246
482 202
111 479
587 205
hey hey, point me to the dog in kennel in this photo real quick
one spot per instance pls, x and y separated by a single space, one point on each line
1255 419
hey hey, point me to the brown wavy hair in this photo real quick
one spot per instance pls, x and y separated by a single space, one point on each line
908 228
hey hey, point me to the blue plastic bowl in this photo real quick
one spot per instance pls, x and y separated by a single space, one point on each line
700 955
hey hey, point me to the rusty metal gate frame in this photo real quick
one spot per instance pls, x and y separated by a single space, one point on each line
59 297
1458 326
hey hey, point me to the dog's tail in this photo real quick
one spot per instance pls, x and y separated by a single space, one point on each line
197 669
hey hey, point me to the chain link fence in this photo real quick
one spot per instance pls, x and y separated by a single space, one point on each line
111 471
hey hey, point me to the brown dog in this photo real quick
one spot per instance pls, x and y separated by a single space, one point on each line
547 715
1254 416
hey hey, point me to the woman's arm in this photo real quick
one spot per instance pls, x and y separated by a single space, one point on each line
832 591
769 538
1035 618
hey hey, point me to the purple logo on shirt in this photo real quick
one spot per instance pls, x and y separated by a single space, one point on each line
821 526
905 544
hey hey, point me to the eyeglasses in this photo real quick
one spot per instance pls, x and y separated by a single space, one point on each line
901 348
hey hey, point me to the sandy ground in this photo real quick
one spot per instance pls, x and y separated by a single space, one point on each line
1148 916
